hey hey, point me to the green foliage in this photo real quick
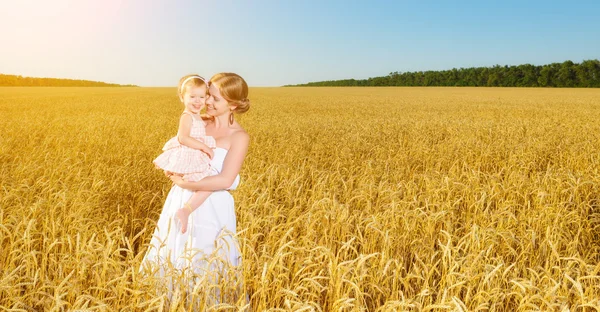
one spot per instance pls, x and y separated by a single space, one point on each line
566 74
20 81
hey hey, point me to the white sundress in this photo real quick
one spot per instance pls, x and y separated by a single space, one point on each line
207 252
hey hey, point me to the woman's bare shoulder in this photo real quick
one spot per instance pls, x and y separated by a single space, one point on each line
240 135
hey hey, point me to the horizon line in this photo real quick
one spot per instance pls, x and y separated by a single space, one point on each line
296 84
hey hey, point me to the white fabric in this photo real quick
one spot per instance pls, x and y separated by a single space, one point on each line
210 230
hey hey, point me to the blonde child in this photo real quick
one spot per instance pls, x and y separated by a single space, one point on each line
189 152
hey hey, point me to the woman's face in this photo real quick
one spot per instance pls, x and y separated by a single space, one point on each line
216 105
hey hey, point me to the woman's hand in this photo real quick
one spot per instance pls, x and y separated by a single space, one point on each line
177 179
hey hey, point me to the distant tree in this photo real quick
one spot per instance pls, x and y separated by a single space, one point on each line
530 74
566 74
545 78
19 81
588 74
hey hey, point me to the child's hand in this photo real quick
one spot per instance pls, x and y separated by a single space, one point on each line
209 152
177 179
206 116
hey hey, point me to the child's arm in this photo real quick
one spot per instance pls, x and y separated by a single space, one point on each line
231 168
183 135
194 202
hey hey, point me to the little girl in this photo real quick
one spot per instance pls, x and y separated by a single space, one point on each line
189 152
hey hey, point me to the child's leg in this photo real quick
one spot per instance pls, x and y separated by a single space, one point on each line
197 199
194 202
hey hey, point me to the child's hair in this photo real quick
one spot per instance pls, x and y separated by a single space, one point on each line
189 80
234 89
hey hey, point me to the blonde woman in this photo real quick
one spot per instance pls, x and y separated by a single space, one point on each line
209 243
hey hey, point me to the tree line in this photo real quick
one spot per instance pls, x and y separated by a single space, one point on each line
562 75
20 81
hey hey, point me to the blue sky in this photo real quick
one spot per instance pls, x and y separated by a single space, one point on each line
272 43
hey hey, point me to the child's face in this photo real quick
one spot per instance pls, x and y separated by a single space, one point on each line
194 98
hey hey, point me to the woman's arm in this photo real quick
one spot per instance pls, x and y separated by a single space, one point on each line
231 167
183 135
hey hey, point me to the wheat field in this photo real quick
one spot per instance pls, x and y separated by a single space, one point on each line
351 199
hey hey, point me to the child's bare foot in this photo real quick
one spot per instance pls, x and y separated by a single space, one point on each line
183 214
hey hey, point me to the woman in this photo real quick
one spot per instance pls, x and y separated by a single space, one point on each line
205 250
